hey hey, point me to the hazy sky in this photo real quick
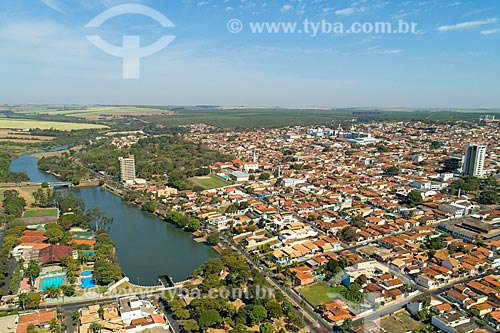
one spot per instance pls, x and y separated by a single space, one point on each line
453 59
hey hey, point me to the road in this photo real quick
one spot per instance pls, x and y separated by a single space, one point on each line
394 307
310 317
68 308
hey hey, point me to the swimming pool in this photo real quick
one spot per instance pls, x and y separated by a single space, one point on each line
89 253
88 283
87 273
52 281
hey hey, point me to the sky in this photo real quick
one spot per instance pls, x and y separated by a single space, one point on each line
450 60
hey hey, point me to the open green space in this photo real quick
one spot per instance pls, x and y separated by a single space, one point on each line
321 292
208 182
40 212
399 322
29 123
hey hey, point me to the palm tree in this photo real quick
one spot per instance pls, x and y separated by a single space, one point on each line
53 292
95 327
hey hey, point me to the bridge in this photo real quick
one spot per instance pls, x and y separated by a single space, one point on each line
36 184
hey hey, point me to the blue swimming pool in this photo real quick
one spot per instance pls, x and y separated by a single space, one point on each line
89 253
87 273
51 281
88 283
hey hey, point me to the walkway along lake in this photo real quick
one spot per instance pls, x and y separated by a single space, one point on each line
146 245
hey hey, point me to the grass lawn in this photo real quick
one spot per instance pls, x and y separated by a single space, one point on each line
208 182
320 293
399 322
29 123
40 212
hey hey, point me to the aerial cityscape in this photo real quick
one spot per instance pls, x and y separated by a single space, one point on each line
247 167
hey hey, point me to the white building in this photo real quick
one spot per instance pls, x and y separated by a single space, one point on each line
474 160
127 169
133 308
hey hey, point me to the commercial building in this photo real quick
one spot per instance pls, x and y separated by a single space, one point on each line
127 168
474 160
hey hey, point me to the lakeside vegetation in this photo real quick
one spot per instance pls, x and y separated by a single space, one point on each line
255 306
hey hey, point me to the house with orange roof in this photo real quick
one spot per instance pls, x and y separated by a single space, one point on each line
38 319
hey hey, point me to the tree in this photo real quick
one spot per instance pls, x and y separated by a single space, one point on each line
53 292
347 235
182 314
239 328
149 206
54 325
106 272
99 218
414 198
209 318
95 328
347 324
29 300
392 171
264 176
274 309
32 329
266 328
190 325
32 271
435 145
257 314
54 232
489 197
213 239
193 225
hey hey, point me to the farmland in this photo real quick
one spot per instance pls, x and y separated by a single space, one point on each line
28 124
90 112
246 117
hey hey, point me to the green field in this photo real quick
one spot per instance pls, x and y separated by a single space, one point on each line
320 292
208 182
40 212
29 123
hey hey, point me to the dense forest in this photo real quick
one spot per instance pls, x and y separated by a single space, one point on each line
6 176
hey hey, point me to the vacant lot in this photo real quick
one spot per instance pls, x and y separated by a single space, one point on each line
29 123
320 292
40 212
25 192
399 322
208 182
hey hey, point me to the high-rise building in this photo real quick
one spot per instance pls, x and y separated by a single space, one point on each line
454 164
127 168
474 160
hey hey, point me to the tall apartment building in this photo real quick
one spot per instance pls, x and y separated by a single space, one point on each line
474 160
127 168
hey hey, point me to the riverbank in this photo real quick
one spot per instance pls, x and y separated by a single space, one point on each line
146 246
162 215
